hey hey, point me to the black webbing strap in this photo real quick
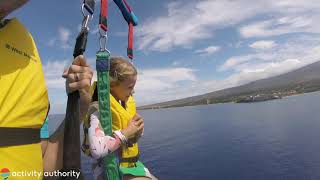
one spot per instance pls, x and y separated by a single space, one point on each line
81 43
18 136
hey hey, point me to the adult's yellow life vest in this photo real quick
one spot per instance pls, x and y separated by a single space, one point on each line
120 118
23 102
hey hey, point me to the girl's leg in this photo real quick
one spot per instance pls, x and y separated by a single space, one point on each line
129 177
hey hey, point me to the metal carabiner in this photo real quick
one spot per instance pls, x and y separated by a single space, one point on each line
103 39
84 14
85 22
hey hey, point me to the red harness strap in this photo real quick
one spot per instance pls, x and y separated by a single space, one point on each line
103 20
130 34
132 21
130 41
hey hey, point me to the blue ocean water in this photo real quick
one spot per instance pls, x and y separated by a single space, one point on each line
257 141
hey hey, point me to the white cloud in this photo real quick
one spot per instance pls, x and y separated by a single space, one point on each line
159 85
152 85
281 25
155 90
64 37
208 51
236 61
299 50
187 22
164 84
53 70
159 79
62 40
263 45
155 84
260 71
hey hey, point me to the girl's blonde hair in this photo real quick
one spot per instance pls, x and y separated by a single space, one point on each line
120 70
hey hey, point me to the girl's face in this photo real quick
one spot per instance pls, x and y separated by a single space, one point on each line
123 90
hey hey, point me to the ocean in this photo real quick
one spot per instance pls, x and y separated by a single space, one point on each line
268 140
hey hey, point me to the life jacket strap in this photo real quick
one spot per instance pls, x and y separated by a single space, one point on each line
18 136
130 159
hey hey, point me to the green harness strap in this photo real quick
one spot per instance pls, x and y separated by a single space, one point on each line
103 66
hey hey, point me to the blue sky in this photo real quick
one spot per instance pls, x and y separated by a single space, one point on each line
182 47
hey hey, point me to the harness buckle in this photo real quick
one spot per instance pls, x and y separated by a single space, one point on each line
103 39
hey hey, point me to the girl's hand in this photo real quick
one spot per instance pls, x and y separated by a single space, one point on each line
140 133
135 125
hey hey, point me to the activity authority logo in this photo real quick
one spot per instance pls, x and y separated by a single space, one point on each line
5 173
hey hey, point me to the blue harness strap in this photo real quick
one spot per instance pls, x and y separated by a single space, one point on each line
126 11
131 19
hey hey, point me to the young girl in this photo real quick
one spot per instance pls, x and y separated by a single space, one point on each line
123 76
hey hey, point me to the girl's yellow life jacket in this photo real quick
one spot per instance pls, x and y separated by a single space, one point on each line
23 99
120 119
